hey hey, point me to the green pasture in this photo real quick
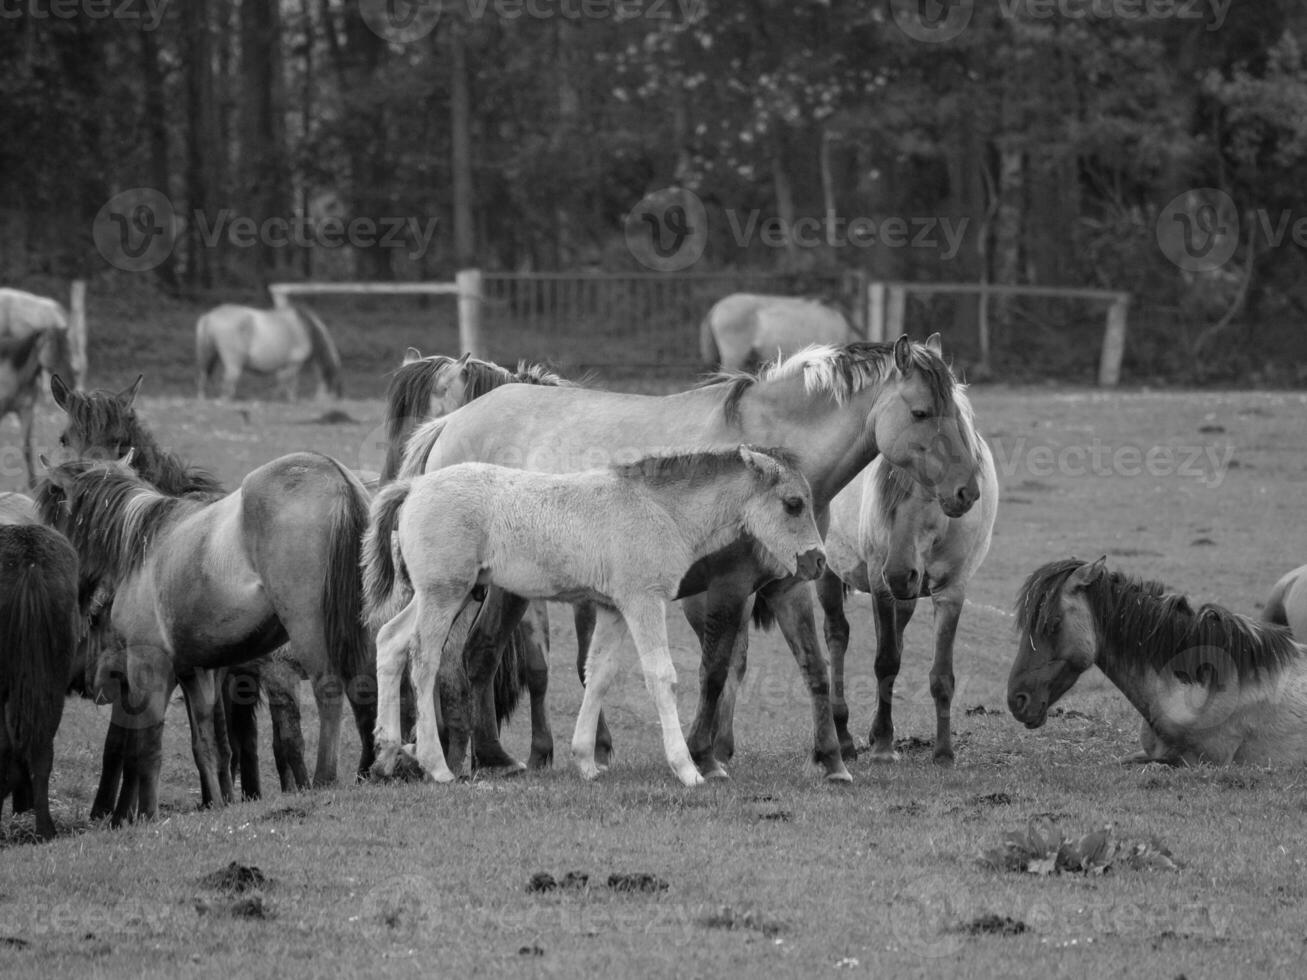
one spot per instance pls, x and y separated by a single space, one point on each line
775 873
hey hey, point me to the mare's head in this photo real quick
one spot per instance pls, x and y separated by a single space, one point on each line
913 522
1058 636
923 424
101 424
778 514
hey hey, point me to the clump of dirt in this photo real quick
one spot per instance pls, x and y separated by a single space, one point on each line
994 925
236 879
636 882
746 919
992 799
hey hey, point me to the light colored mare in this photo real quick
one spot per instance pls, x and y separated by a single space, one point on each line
888 537
277 342
744 330
1287 603
33 337
621 537
1212 686
17 508
835 408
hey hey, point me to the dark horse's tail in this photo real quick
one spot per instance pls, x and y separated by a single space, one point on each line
39 630
348 645
325 354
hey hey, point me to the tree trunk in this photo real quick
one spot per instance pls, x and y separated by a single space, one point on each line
202 147
262 135
156 128
784 193
461 149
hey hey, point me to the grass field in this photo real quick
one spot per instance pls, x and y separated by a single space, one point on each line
775 872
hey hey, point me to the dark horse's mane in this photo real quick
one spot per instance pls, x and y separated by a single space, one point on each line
1154 627
108 422
409 395
112 518
696 466
840 372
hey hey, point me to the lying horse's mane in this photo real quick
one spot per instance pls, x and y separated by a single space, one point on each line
1152 626
111 518
107 421
412 384
697 466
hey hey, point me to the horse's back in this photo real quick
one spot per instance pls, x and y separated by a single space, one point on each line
754 327
17 508
262 341
23 313
1287 603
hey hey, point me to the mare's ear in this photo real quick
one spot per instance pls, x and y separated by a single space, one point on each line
933 343
59 391
52 472
903 355
124 465
411 355
128 394
760 463
1087 574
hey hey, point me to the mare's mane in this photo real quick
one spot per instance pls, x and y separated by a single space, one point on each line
1150 626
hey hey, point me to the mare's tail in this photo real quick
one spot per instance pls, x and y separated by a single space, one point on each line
349 651
419 446
384 581
39 629
206 353
325 354
708 349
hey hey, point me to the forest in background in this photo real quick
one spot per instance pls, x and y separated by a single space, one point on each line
1061 139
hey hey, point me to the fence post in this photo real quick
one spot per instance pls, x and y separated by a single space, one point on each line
469 312
280 301
876 312
898 300
1109 366
77 332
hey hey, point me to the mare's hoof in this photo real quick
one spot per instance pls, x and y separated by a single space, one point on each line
945 760
603 756
848 751
540 759
718 774
840 775
438 777
513 768
884 755
691 778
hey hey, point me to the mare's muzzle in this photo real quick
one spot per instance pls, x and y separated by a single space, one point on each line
1027 710
811 564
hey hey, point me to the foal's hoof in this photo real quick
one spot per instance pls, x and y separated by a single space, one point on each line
710 768
690 777
840 776
440 776
884 754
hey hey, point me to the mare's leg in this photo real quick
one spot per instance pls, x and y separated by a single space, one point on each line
791 601
437 608
724 728
717 616
287 738
40 766
288 378
647 622
948 607
200 690
830 593
240 700
361 692
499 616
609 634
112 761
583 615
231 373
328 693
892 616
392 657
535 637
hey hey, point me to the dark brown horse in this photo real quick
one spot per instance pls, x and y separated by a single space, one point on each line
39 628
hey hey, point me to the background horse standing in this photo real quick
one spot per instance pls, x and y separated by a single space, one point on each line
889 537
200 585
1213 686
39 628
278 342
834 408
22 357
623 537
745 330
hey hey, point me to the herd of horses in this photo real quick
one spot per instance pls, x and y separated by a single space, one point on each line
418 597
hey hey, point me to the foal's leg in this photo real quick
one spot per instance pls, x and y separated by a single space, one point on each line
830 593
610 633
392 657
535 636
438 606
583 615
892 616
647 621
948 608
200 690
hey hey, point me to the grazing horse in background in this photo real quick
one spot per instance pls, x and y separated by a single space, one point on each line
887 536
22 357
1287 603
198 585
745 330
24 313
278 342
39 629
104 425
1213 686
835 408
623 537
426 388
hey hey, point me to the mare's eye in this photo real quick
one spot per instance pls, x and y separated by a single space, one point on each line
794 506
921 414
63 441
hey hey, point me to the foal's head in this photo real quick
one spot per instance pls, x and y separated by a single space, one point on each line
778 514
101 424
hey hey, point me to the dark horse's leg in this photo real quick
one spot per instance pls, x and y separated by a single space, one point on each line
112 761
200 690
724 727
535 638
948 608
892 617
583 614
717 616
830 594
240 701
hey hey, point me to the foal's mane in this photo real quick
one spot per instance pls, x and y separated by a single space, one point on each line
111 424
697 466
112 518
412 384
1153 627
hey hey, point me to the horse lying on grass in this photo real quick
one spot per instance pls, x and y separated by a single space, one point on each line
1213 686
623 537
39 628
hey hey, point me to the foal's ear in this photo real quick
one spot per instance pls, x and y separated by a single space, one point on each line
462 361
903 355
1087 574
128 394
59 391
760 463
411 355
934 344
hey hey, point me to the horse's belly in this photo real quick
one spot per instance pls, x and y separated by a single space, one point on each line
267 358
